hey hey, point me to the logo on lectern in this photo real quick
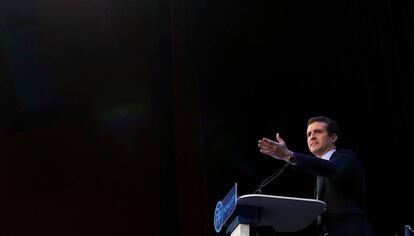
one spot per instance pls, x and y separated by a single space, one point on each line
218 217
225 208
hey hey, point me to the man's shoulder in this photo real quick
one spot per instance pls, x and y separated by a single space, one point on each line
348 156
346 151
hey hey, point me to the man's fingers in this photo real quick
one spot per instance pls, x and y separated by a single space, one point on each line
264 145
267 142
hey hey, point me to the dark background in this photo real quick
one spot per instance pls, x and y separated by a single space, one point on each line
135 117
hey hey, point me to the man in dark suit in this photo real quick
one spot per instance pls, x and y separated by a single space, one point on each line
340 177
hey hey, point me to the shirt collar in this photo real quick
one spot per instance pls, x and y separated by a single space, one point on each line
327 156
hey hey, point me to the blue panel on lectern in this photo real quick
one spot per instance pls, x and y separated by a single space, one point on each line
225 208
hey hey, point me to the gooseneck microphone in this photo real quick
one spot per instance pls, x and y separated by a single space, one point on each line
271 178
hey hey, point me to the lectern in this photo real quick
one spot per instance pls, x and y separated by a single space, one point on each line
285 214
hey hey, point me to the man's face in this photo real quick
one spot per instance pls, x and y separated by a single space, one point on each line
319 142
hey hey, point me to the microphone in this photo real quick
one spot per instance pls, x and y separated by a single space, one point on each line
271 178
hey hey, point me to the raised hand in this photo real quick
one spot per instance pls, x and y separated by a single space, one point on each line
276 149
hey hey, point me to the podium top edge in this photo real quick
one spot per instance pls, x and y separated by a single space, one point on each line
280 197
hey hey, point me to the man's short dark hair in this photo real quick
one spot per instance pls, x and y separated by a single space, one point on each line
332 126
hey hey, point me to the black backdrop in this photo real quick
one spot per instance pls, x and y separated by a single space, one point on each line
161 105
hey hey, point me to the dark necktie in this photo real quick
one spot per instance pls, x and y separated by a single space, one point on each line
319 192
319 187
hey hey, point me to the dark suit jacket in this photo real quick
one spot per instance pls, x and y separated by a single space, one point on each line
343 190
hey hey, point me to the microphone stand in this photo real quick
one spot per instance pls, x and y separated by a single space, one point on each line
270 179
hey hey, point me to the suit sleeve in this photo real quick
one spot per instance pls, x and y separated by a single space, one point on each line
339 165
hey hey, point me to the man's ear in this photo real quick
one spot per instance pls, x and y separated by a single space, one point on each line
334 137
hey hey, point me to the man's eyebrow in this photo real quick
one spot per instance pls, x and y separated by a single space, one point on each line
310 131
